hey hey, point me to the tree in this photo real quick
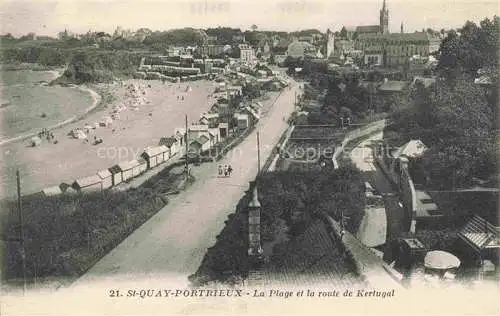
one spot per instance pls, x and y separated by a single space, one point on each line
455 121
474 48
254 27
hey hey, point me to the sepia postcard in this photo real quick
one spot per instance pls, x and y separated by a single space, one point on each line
249 157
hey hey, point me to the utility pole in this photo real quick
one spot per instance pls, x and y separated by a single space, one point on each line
21 229
372 111
187 148
258 155
342 219
342 224
87 221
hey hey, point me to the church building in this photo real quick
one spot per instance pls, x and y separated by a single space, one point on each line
380 47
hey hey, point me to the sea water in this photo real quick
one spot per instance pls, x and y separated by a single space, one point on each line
28 104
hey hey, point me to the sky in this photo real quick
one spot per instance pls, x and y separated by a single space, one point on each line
45 17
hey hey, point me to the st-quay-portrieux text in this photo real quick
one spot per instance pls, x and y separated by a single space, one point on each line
166 293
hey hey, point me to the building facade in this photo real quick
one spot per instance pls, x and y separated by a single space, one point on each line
212 50
246 52
330 43
298 49
382 48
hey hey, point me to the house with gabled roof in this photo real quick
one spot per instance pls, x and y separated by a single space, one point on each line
204 140
172 143
197 130
210 119
155 155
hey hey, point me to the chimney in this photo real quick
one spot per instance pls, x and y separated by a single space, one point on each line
254 245
402 27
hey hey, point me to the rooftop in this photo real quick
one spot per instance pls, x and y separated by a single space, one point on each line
210 115
416 36
115 169
55 190
312 258
127 165
104 173
424 80
167 141
87 181
154 151
198 127
203 139
480 234
393 86
368 29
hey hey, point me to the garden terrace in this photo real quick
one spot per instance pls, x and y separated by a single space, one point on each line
317 132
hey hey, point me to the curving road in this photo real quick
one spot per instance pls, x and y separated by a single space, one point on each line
171 245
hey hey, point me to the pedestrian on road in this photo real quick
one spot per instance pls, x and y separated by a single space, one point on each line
229 170
225 170
221 171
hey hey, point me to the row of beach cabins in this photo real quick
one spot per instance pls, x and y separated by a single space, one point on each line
150 158
201 137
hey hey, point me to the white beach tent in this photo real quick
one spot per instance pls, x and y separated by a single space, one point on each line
78 134
35 141
88 127
105 121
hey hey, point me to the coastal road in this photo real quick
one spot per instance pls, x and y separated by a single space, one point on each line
373 228
362 157
171 245
379 225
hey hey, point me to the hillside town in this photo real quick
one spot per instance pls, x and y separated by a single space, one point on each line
350 158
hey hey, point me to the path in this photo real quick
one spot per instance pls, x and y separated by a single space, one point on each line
379 224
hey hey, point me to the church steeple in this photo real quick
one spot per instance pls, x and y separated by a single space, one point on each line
384 19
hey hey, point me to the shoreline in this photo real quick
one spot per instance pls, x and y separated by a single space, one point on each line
96 102
135 129
29 66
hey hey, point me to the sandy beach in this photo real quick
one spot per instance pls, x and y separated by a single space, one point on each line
136 128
